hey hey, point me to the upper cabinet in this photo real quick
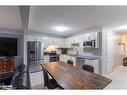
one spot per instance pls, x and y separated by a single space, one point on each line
57 42
77 41
94 37
47 41
70 42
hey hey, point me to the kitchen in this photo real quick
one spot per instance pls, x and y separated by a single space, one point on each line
72 48
69 46
79 36
76 49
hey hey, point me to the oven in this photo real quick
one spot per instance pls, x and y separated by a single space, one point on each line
53 58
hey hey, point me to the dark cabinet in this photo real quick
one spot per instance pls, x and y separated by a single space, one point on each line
6 65
6 70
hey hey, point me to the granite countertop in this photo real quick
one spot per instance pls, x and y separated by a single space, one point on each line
69 55
90 57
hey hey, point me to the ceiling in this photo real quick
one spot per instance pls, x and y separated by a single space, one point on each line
10 17
76 18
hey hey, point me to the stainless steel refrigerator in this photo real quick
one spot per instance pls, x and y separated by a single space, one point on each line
34 55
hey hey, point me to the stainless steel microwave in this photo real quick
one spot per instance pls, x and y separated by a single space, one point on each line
90 43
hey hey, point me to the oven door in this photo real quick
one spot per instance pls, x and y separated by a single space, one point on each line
54 58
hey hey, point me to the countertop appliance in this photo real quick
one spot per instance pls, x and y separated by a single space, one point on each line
34 55
91 43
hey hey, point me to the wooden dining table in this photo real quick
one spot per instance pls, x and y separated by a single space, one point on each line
73 77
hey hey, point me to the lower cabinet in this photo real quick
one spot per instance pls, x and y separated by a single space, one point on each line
62 57
94 63
46 58
73 59
65 58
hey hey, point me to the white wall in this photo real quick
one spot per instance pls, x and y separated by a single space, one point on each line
108 50
119 54
112 52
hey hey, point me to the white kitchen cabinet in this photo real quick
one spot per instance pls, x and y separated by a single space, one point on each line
65 58
61 57
81 38
91 36
46 58
73 58
94 63
61 44
58 42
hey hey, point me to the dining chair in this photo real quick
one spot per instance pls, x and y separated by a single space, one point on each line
17 80
20 77
49 83
70 62
88 68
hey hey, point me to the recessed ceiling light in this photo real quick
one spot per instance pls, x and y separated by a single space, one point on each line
60 28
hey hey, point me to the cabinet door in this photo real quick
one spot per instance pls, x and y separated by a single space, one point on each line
61 44
62 58
46 59
65 58
92 36
88 62
68 58
73 59
94 63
